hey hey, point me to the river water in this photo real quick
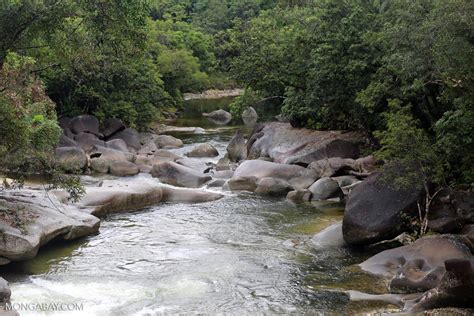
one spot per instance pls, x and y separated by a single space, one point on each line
242 254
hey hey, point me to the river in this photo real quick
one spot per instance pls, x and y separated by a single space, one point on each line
242 254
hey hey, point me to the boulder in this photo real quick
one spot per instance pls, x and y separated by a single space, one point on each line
88 141
31 219
220 117
117 144
464 204
241 184
65 122
324 189
249 116
263 169
203 150
378 210
148 149
237 149
332 166
84 124
111 154
223 164
178 175
195 164
285 144
130 137
71 159
273 187
330 237
217 183
65 141
112 126
168 142
5 291
224 174
298 196
145 168
100 165
420 266
162 153
123 168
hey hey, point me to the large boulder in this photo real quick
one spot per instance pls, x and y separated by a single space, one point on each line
298 177
420 266
65 141
168 142
331 166
178 175
88 141
273 187
84 124
123 168
378 210
237 149
130 137
117 144
203 150
330 237
285 144
112 126
31 219
221 117
324 189
71 159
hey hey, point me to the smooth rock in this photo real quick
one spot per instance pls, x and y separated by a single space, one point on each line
241 184
84 124
221 117
168 142
273 187
330 237
195 164
117 144
249 116
202 151
237 149
71 159
299 196
178 175
65 141
162 153
112 126
123 168
88 141
148 149
324 189
130 137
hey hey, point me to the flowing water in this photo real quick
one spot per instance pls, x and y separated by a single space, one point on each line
242 254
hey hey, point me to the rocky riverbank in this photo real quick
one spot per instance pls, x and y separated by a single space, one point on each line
273 160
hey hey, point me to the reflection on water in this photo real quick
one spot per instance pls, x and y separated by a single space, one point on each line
242 254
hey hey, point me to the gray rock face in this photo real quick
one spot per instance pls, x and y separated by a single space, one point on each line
330 237
237 149
38 219
168 142
130 137
285 144
117 144
178 175
420 266
123 169
325 188
273 187
88 141
84 124
376 210
203 150
71 159
219 117
112 126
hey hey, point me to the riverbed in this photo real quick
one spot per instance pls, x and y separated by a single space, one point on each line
242 254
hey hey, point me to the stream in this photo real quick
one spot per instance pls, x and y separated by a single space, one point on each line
242 254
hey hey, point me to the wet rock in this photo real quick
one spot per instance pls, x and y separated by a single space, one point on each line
112 126
241 184
377 210
420 266
324 189
117 144
88 141
299 196
84 124
219 117
36 219
168 142
123 169
237 149
330 237
273 187
178 175
71 159
203 150
285 144
130 137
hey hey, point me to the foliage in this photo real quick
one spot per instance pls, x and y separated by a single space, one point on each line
242 102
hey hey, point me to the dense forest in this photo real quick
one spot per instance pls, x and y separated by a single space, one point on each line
400 71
